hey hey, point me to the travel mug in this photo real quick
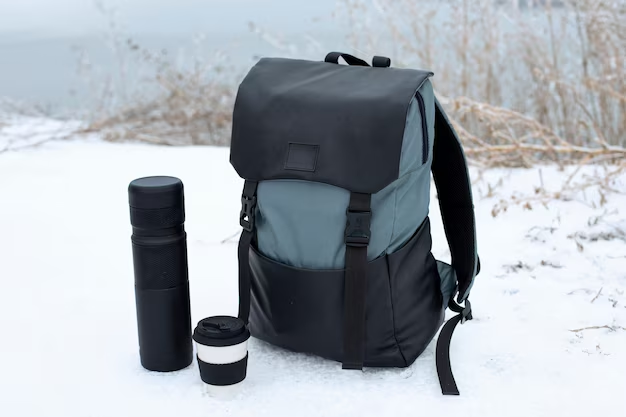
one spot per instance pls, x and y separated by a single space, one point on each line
222 346
159 241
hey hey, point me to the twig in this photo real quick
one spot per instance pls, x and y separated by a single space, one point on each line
597 295
586 291
229 238
550 264
616 151
597 328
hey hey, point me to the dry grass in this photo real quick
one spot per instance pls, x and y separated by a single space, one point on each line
508 138
542 84
10 106
188 113
522 87
187 104
545 84
192 106
591 188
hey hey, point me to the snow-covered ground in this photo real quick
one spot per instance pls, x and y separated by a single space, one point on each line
68 339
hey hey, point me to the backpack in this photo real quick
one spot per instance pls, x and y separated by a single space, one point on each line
335 254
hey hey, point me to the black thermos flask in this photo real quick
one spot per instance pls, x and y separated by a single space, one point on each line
157 215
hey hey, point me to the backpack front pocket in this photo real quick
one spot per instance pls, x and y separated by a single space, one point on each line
302 310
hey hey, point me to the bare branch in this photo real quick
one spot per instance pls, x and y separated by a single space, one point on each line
597 295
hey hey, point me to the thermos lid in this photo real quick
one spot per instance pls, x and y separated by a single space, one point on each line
221 331
156 192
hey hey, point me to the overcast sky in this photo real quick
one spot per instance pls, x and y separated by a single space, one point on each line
71 17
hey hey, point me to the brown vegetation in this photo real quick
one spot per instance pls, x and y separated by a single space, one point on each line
192 106
522 87
543 84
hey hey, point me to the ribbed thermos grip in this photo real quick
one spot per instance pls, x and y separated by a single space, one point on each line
159 245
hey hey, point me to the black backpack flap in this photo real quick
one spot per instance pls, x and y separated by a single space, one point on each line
323 122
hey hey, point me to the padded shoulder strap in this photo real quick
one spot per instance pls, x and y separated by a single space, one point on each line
455 201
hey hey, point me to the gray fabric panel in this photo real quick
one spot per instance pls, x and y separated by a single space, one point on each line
412 190
448 281
411 153
301 223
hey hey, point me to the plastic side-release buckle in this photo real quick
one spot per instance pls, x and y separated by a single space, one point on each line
465 311
247 214
466 314
358 231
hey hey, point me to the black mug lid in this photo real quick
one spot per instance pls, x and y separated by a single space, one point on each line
221 331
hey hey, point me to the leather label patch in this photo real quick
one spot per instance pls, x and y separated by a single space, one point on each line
302 157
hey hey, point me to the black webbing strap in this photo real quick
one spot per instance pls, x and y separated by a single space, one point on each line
455 201
333 57
357 237
444 369
246 220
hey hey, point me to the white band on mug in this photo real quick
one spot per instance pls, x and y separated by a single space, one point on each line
220 355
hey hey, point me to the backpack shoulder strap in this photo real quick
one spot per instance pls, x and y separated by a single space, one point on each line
454 192
455 201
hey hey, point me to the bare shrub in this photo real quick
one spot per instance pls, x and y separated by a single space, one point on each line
9 107
192 106
543 84
173 103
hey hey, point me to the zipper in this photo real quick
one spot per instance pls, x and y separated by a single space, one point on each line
420 102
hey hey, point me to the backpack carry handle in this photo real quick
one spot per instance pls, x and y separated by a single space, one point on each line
333 58
377 61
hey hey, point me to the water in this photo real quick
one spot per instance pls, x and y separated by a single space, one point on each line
40 51
39 63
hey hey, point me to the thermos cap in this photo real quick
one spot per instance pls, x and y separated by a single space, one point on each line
221 331
156 193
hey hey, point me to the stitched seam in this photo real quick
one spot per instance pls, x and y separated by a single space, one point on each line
393 314
395 216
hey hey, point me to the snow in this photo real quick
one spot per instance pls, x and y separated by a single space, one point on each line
67 313
19 131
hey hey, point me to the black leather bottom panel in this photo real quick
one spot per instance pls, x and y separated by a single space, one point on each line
302 310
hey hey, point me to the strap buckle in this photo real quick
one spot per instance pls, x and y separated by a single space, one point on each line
358 231
465 312
248 212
